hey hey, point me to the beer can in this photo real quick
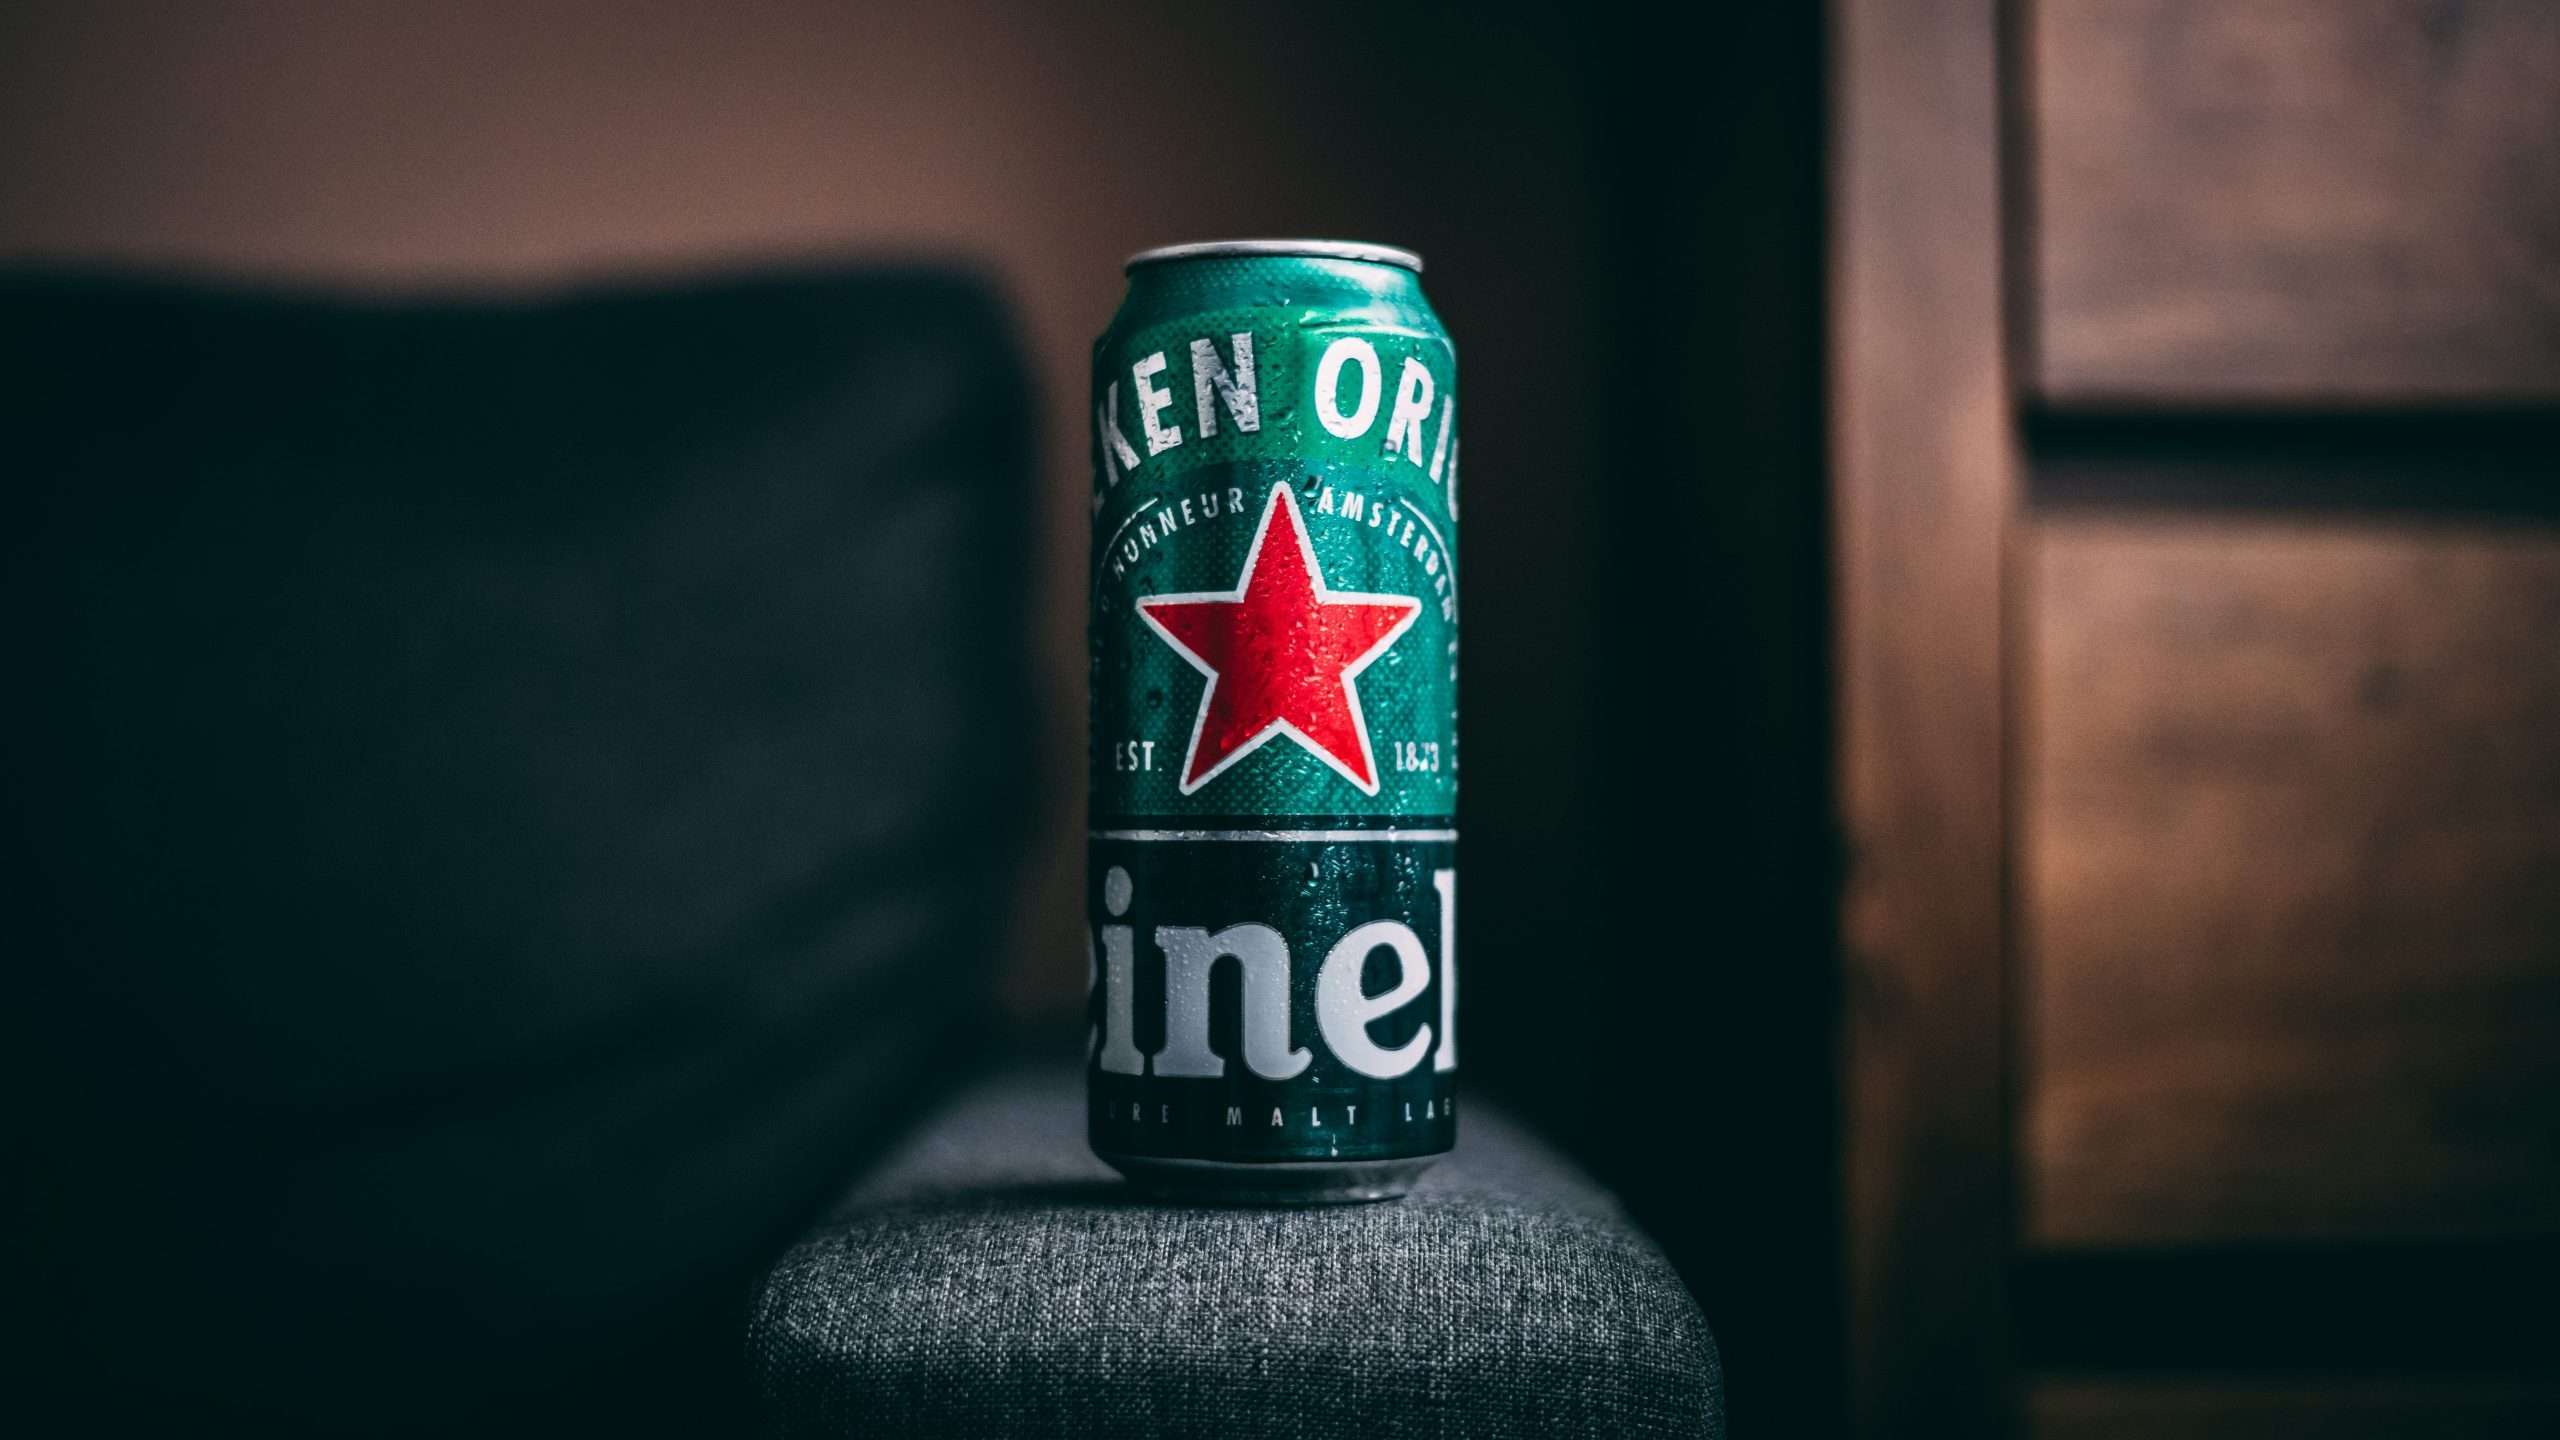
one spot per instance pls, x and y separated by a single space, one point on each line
1272 876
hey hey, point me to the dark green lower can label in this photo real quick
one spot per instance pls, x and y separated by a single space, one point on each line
1318 1024
1272 888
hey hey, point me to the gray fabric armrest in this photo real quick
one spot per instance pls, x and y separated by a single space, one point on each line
994 1279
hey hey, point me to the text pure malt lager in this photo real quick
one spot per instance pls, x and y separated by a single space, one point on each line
1273 880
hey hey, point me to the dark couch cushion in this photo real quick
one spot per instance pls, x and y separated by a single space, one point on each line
994 1280
501 793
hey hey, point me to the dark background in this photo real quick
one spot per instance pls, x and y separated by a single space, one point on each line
1623 234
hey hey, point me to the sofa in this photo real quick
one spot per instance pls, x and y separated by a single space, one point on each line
514 799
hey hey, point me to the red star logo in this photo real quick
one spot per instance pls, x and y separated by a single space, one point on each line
1280 652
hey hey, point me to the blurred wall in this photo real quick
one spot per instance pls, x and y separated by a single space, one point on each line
471 144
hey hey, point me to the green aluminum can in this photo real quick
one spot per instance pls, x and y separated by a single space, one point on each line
1272 882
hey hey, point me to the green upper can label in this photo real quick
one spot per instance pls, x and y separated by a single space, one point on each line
1275 513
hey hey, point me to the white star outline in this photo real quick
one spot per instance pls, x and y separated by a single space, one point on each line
1280 494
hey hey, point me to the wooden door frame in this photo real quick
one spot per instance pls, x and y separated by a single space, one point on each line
1925 467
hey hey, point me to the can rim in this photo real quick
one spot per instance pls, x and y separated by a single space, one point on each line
1319 249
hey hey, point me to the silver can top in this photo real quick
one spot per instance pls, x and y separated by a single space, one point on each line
1321 249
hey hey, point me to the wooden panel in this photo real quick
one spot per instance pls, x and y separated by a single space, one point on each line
2290 894
2095 1410
2277 201
1923 469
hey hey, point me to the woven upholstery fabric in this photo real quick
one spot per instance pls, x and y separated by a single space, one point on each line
994 1279
504 790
